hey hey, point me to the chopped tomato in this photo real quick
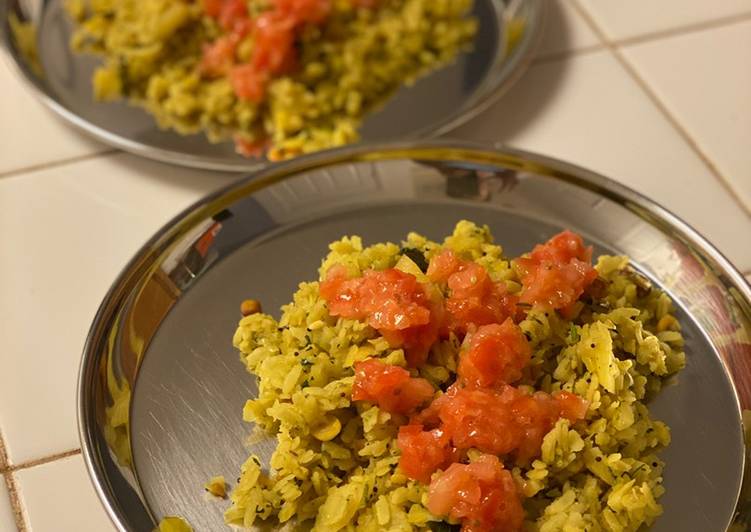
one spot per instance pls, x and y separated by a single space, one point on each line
390 387
502 421
474 299
250 148
233 12
218 57
571 406
304 11
274 40
563 247
391 301
273 32
388 299
443 265
423 452
248 83
482 494
227 12
213 7
556 273
496 354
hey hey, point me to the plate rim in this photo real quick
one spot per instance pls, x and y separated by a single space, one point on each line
498 154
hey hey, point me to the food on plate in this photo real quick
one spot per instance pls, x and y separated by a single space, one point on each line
279 76
173 524
427 385
216 486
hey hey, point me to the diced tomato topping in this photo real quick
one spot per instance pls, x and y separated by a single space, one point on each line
390 387
304 11
474 299
391 301
502 421
556 273
232 13
423 452
274 33
387 299
495 354
218 57
443 265
248 83
248 148
571 406
213 7
482 494
561 248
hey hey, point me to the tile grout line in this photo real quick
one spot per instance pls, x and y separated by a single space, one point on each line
15 501
43 460
562 55
19 516
662 108
16 172
680 30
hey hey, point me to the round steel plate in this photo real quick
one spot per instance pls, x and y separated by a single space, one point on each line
434 105
162 389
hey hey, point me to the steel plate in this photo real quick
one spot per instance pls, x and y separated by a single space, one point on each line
434 105
161 388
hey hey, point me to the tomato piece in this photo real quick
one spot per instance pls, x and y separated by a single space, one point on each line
304 11
250 148
423 452
232 12
443 265
248 83
388 299
482 494
563 247
218 57
571 406
474 299
556 273
212 7
390 387
274 39
392 302
519 420
495 354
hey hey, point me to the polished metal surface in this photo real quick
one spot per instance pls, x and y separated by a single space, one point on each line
161 388
434 105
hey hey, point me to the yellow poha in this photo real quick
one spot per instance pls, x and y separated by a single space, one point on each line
336 461
155 56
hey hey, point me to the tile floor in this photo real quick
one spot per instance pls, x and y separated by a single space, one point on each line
656 96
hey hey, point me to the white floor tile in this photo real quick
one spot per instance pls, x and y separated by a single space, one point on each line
621 19
565 30
587 110
66 233
32 135
683 69
59 497
7 519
